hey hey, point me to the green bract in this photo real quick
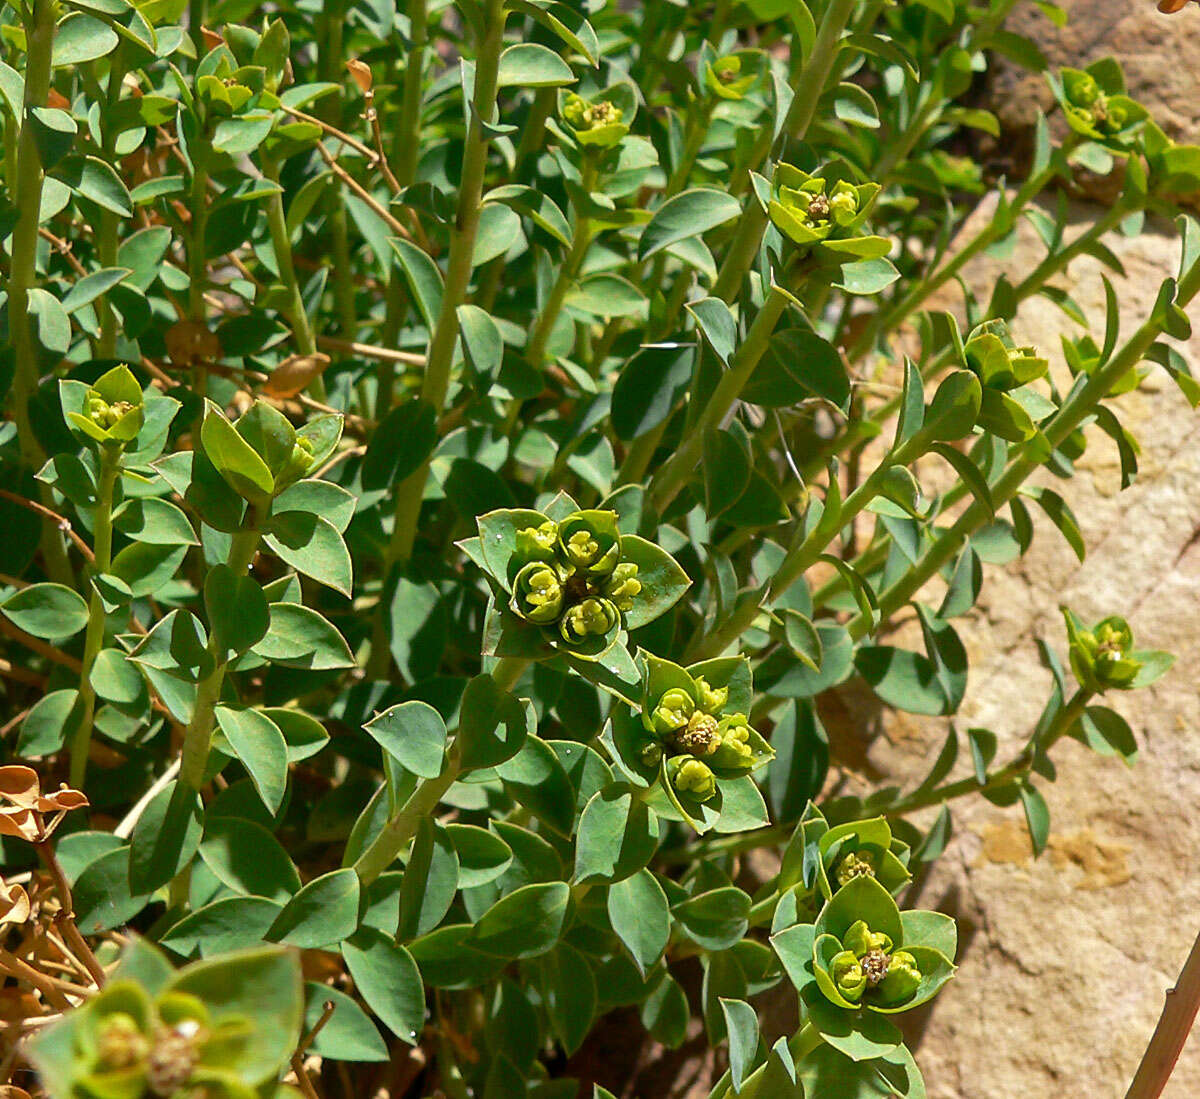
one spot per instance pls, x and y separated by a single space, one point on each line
1103 657
594 123
576 576
112 410
868 956
824 214
222 1029
261 454
1095 106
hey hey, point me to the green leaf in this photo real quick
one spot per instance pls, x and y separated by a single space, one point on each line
526 923
258 743
387 978
617 836
312 546
405 437
300 638
231 923
415 734
528 65
741 1025
430 880
237 609
868 276
321 914
93 286
50 611
663 580
233 458
650 386
536 779
80 38
1037 817
165 837
638 912
482 855
248 859
688 214
570 995
348 1034
715 920
493 724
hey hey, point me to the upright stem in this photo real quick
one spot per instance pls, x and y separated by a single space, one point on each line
281 240
1174 1025
458 271
400 829
674 475
581 239
39 39
107 244
197 740
110 468
409 130
809 88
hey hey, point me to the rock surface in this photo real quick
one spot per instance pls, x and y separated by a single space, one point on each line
1161 56
1068 957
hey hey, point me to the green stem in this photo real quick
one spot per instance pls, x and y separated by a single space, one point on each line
458 273
306 343
39 38
808 90
102 531
675 474
535 351
107 244
197 740
400 829
544 102
1069 417
408 132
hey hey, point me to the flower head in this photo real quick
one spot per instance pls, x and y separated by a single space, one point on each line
113 410
597 123
538 593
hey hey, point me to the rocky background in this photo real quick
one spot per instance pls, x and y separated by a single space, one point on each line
1068 958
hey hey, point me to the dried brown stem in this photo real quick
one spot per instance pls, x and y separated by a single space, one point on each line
64 524
1174 1025
66 918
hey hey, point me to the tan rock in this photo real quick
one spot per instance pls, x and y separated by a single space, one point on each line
1067 958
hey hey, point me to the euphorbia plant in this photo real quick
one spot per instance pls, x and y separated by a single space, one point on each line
446 476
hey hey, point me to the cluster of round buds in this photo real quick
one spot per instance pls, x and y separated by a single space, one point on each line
857 864
174 1055
573 576
868 966
103 414
598 123
701 742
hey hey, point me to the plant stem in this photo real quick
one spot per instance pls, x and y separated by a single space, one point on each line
39 38
1072 413
809 87
581 239
401 828
408 133
281 240
197 741
674 475
106 346
436 383
1174 1025
110 468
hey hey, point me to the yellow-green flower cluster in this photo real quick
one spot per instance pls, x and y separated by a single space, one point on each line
573 576
685 715
869 965
594 122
